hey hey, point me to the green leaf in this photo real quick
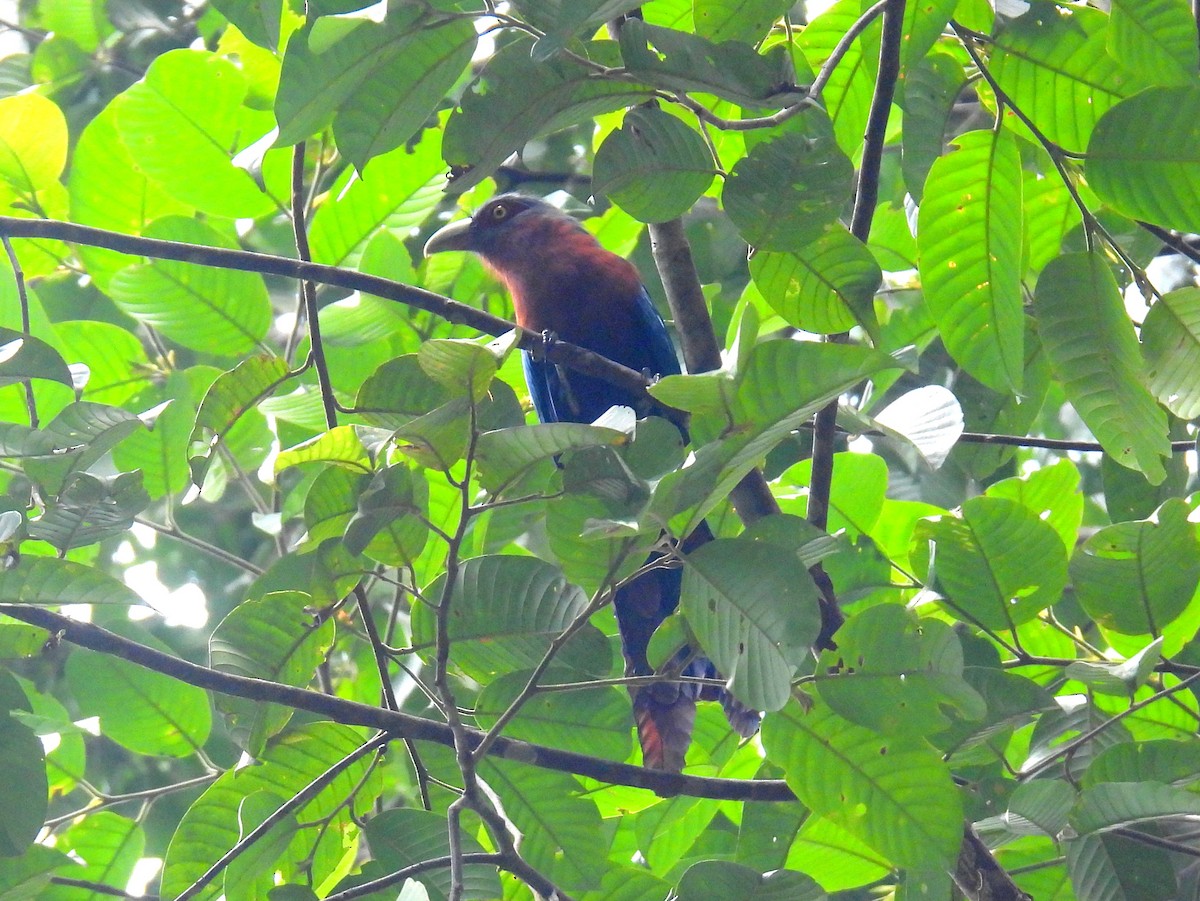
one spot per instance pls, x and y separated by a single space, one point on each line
714 880
398 392
766 413
27 877
732 71
519 98
1146 761
1137 577
161 452
90 509
897 675
23 802
378 82
736 20
258 20
628 883
504 611
341 446
100 160
1055 66
1144 160
787 191
562 835
1110 805
505 454
463 366
562 19
230 397
654 167
826 287
196 98
114 357
754 619
109 846
139 709
924 22
929 418
277 638
997 562
1118 678
33 143
220 311
44 581
1050 215
252 874
1154 38
1052 493
591 721
210 826
857 494
1039 807
400 838
1171 347
894 794
851 85
26 357
969 246
1091 346
930 88
386 522
396 191
1111 867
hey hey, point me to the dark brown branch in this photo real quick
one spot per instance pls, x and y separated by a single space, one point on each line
978 875
398 724
452 311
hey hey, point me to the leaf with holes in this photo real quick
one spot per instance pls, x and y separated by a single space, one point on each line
894 794
1137 577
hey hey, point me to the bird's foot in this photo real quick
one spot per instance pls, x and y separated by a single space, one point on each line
542 350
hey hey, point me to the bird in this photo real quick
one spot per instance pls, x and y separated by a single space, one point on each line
564 283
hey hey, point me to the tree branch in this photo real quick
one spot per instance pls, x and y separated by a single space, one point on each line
575 358
396 723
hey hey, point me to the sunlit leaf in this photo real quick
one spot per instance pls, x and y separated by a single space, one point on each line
894 794
1091 347
1142 159
969 242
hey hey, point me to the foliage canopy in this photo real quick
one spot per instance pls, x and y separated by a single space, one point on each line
339 610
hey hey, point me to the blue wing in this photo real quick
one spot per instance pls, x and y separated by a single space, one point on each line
543 381
562 396
650 325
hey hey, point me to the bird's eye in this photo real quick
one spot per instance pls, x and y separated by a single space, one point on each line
499 212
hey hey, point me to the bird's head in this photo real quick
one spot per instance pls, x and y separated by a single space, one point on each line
504 230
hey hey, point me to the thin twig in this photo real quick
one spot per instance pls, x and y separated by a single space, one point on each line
23 298
1069 748
217 553
298 800
308 290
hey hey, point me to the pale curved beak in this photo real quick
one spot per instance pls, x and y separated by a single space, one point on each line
455 236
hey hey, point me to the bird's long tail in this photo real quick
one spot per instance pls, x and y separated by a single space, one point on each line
666 711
